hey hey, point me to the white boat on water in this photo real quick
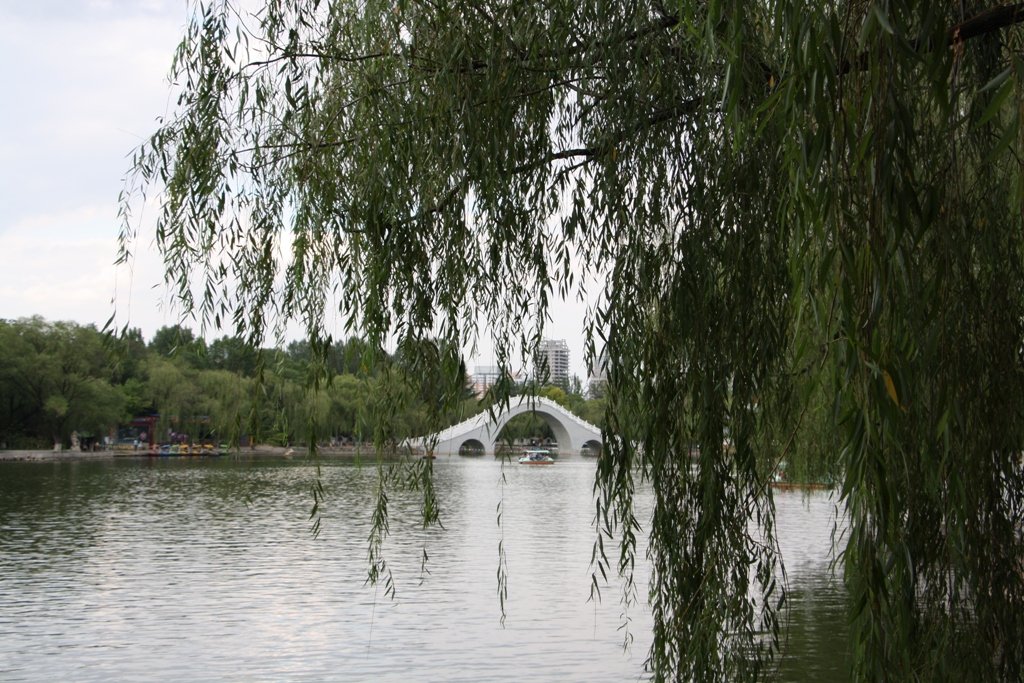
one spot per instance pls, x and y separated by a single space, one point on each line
536 457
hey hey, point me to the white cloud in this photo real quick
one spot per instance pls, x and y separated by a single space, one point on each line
83 83
82 88
61 266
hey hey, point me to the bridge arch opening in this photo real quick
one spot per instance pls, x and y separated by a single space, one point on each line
591 449
523 429
472 447
537 427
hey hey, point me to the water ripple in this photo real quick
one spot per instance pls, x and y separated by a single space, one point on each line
205 570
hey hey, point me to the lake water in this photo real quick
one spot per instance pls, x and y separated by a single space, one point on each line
204 570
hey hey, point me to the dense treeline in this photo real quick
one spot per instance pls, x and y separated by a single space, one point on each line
57 378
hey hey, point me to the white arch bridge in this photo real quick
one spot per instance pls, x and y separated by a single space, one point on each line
479 434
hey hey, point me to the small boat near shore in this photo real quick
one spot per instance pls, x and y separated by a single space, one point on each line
536 456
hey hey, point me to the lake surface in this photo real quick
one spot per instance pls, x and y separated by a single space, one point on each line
172 569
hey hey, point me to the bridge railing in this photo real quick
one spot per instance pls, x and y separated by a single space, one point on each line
572 416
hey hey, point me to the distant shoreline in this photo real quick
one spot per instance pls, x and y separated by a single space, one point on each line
261 451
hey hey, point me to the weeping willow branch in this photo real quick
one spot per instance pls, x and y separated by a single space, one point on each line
749 181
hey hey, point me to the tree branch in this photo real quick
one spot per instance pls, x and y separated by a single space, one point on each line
316 55
986 22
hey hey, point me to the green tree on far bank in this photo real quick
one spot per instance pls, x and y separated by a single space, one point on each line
177 341
54 380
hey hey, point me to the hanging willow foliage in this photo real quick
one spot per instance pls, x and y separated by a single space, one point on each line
788 201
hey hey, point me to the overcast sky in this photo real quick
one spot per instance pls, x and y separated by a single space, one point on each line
83 84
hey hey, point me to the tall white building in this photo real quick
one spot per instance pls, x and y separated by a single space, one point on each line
598 375
551 364
485 377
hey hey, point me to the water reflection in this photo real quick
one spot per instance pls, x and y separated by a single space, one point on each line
171 569
816 647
